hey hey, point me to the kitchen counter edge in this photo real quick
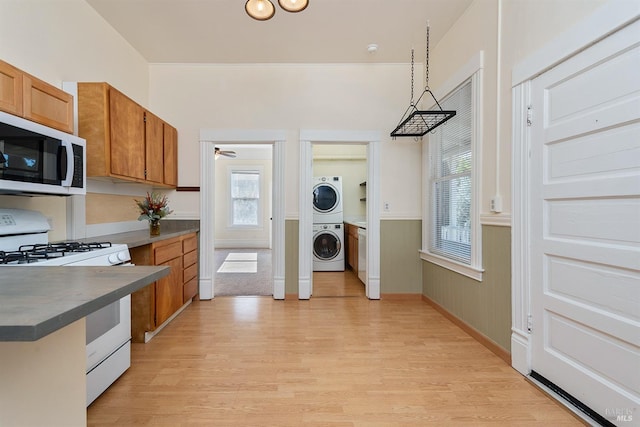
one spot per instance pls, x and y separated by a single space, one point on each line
133 239
31 310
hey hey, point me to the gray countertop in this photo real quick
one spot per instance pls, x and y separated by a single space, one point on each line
357 223
168 229
35 301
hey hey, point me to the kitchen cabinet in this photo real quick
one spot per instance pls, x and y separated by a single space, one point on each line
26 96
190 267
170 148
154 305
10 89
352 246
154 131
125 142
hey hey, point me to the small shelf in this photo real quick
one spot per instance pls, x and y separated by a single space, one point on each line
363 184
364 199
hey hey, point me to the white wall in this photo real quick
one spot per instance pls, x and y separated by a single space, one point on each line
525 26
291 97
66 40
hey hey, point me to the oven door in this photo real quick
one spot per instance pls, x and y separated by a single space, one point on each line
107 330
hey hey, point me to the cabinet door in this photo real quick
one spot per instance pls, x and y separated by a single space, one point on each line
10 89
47 104
154 135
127 136
170 155
169 291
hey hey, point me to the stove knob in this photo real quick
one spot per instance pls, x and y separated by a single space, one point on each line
123 256
113 259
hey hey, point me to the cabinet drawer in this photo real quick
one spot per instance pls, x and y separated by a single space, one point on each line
190 289
189 243
165 253
190 258
190 272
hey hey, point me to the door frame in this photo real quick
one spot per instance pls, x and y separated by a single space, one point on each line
305 243
208 139
609 18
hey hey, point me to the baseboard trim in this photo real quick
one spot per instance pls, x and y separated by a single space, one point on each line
401 297
475 334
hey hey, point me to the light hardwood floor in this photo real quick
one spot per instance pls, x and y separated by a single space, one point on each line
337 284
253 361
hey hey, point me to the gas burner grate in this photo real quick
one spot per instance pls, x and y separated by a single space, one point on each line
18 257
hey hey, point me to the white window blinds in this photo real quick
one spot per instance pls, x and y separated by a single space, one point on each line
451 195
245 198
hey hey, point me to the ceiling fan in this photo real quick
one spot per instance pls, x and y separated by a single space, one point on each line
226 153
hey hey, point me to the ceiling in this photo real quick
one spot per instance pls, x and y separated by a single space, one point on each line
327 31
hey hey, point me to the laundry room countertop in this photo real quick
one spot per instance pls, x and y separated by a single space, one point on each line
36 301
360 224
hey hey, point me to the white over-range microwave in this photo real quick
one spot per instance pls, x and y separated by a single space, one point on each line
36 159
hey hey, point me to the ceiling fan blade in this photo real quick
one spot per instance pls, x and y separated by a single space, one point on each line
226 153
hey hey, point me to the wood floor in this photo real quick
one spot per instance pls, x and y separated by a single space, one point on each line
337 284
253 361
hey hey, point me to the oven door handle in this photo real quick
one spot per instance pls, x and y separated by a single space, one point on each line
68 148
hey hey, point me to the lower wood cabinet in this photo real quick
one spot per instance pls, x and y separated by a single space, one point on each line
153 305
351 235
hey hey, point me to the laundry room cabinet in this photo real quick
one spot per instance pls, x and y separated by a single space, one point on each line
351 234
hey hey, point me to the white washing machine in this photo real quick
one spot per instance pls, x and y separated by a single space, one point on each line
328 247
327 200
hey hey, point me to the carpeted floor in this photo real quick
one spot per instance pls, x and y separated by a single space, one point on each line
241 272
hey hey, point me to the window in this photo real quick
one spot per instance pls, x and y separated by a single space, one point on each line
245 198
451 227
450 149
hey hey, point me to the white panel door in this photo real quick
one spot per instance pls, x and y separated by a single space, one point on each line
585 227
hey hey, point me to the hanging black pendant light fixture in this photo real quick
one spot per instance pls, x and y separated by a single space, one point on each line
416 122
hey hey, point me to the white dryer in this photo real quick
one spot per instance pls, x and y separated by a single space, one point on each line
328 247
327 200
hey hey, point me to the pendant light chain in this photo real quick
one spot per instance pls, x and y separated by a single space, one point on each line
414 122
412 77
426 65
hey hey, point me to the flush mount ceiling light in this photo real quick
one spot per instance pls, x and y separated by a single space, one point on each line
263 10
416 122
293 5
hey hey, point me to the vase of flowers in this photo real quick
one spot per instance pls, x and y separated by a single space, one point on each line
153 208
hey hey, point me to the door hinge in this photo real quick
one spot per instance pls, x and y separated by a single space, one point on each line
529 323
529 116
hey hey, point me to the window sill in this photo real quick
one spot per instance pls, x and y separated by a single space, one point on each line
466 270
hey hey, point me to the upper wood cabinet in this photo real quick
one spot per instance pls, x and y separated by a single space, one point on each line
27 96
154 128
10 89
124 140
126 147
170 155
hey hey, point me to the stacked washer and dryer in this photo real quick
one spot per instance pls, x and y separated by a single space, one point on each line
328 225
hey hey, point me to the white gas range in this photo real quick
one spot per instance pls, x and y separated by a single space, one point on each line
24 243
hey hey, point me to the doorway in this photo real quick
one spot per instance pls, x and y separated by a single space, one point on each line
339 200
243 212
575 230
209 140
371 139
